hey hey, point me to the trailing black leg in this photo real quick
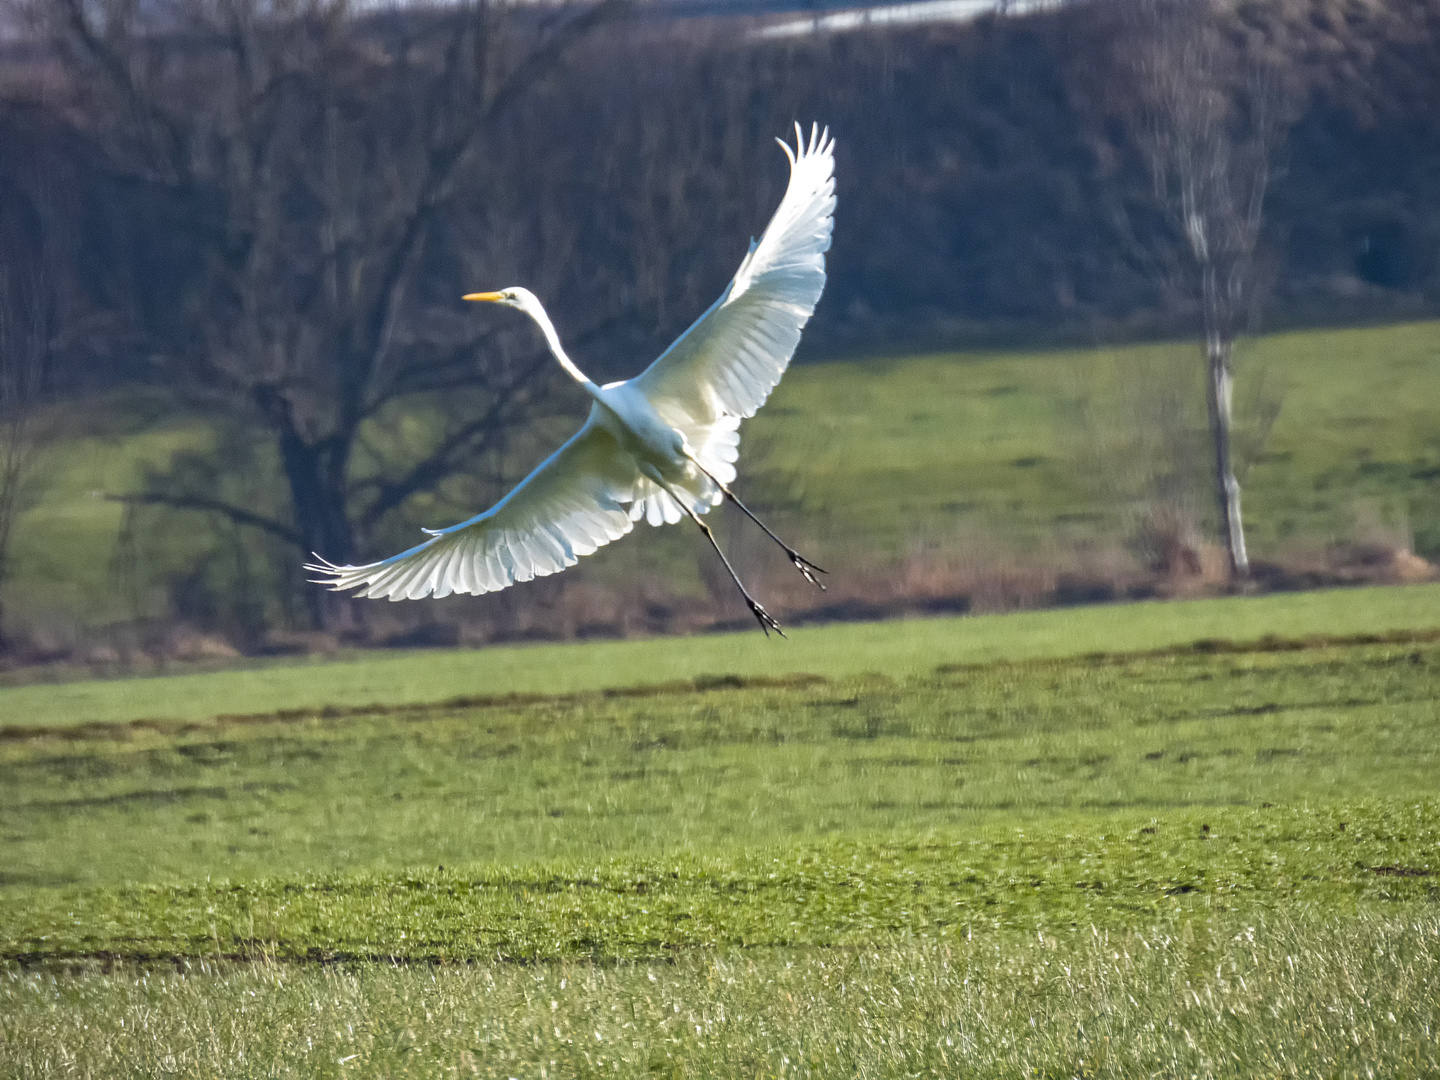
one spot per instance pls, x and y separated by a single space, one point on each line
764 618
804 565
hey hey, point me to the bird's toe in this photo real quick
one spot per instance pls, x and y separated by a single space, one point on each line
808 569
765 619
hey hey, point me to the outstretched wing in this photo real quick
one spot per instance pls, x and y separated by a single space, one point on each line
731 358
575 501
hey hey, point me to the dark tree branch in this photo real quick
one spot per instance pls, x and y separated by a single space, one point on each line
442 462
119 74
237 514
445 160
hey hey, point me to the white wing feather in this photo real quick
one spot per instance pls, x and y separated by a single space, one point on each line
733 356
575 501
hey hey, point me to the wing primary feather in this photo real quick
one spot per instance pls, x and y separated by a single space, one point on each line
571 504
451 578
438 582
494 582
395 582
732 357
465 569
507 557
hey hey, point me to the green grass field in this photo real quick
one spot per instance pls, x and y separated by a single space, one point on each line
1212 854
884 457
832 651
931 445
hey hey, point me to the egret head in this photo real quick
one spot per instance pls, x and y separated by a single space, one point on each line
529 303
515 297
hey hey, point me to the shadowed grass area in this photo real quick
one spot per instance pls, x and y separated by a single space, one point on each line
834 651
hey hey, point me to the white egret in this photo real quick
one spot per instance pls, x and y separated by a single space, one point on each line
660 446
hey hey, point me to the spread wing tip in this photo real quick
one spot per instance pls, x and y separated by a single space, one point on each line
333 576
338 578
820 144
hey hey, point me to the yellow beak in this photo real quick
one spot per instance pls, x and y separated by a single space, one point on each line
493 297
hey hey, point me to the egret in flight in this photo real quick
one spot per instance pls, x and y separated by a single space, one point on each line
661 446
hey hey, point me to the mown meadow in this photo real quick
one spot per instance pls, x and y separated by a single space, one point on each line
1186 853
432 676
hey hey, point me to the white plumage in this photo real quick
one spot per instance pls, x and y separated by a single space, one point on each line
660 446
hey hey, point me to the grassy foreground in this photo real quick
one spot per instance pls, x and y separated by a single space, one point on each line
1213 860
1318 996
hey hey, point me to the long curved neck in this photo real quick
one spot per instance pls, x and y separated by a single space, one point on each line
553 340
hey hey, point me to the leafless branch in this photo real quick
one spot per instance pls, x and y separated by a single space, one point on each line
24 354
237 514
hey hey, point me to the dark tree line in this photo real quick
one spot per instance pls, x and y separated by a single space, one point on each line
267 209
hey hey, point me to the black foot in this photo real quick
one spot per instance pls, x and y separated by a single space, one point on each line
806 567
766 620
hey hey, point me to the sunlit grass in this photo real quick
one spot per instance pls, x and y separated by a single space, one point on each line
1274 996
1080 869
946 445
65 547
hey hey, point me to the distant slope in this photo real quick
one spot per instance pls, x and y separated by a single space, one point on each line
881 457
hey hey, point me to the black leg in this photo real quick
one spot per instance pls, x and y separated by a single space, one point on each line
764 618
804 565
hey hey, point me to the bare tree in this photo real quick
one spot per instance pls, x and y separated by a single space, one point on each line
300 162
24 350
1208 117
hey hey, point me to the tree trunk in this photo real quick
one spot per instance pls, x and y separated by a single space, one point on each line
1219 384
317 492
316 475
7 512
